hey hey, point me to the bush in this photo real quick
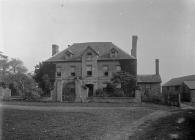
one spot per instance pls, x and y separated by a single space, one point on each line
100 92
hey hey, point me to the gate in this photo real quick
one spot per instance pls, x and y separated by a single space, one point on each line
68 92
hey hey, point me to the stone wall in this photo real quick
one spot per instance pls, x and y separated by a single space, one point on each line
150 91
113 100
5 93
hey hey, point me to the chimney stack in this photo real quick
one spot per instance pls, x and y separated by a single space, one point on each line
134 46
55 49
157 66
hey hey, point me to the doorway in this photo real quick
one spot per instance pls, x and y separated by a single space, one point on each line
90 92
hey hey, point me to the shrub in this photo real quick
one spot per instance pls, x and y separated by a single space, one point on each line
100 92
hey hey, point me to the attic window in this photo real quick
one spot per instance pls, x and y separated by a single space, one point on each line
68 54
114 53
89 56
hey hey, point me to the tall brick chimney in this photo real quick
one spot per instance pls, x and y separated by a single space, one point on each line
134 46
157 66
55 49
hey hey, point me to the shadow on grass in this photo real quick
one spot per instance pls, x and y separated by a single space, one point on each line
179 126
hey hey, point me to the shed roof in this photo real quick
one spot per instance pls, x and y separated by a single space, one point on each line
102 48
178 81
190 84
149 78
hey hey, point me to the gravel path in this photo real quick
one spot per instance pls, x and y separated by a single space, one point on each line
127 131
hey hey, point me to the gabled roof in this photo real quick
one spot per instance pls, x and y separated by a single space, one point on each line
149 78
178 81
102 48
190 84
90 49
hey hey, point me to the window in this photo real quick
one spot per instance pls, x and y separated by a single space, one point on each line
118 68
68 54
89 70
89 56
72 70
148 86
58 72
105 68
114 53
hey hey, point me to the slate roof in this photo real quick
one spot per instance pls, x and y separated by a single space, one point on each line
178 81
190 84
149 78
102 48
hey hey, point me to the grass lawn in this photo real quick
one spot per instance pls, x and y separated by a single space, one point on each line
80 125
91 104
179 126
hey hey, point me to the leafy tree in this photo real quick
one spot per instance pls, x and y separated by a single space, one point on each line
4 65
44 75
16 66
127 82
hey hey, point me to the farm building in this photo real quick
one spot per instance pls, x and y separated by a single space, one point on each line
182 85
150 84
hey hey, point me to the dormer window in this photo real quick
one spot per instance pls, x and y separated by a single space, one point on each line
113 53
89 56
68 54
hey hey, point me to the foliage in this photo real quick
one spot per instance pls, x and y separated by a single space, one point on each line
122 84
113 91
22 84
11 66
44 75
100 92
13 75
4 65
127 81
16 66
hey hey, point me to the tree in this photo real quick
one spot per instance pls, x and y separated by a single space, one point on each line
16 66
127 81
44 75
22 85
4 65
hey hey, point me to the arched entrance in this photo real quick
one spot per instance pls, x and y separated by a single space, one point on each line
68 92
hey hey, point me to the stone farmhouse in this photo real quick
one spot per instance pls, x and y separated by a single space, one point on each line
87 67
183 86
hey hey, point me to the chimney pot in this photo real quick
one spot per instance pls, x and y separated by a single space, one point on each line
134 46
55 49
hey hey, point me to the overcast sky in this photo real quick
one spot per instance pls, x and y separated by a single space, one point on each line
165 29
